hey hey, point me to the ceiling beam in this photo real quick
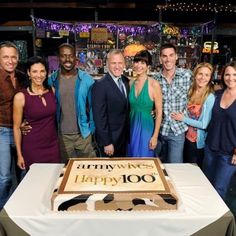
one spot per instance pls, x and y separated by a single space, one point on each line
119 5
47 5
77 5
16 28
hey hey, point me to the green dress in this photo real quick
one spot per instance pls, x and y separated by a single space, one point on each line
141 122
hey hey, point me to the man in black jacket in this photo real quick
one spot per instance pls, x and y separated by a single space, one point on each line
111 109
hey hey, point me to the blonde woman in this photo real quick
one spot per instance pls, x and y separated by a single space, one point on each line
200 103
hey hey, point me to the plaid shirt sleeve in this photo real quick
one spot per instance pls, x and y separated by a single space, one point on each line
174 100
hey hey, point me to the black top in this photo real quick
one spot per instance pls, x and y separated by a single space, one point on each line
222 128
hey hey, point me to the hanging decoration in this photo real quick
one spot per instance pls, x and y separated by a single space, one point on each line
205 28
170 29
125 33
52 25
49 25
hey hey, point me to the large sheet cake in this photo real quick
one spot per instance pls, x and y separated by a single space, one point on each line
115 184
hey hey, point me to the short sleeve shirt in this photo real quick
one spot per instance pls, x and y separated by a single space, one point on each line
7 93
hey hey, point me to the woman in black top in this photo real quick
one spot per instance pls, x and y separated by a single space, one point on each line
220 152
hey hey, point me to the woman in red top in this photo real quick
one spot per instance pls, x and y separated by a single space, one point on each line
36 104
199 108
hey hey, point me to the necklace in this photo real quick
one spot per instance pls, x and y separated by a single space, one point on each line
39 94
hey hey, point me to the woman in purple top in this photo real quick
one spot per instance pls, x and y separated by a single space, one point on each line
37 105
219 164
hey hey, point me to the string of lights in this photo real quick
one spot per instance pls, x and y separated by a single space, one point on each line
191 7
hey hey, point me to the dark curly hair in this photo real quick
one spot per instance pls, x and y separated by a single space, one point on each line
35 60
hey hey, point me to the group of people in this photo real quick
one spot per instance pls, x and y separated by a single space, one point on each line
122 109
42 119
175 115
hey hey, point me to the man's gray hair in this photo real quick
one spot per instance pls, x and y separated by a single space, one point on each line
8 44
114 52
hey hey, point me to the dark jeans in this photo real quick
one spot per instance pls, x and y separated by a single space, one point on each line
219 170
192 154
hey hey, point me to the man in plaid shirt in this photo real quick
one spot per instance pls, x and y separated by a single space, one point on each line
175 83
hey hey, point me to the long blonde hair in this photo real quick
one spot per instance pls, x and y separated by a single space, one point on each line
209 88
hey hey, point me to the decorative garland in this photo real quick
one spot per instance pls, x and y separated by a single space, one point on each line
86 27
160 28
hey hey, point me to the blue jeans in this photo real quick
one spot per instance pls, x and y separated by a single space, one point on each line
218 169
6 147
172 148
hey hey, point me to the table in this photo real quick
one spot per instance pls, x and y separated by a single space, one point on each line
201 211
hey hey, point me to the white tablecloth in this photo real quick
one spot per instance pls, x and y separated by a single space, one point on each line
30 208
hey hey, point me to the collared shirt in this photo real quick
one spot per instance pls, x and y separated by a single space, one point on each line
7 93
174 100
117 83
